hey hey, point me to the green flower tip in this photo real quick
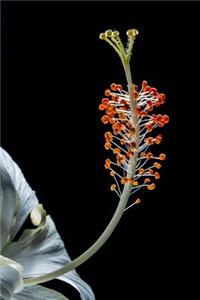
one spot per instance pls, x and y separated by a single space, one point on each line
114 40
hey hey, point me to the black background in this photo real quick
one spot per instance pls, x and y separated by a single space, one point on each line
54 72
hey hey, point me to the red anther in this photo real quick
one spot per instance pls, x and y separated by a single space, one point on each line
157 175
135 95
138 110
144 84
150 103
147 89
143 113
154 91
150 171
165 119
161 97
149 127
158 139
124 102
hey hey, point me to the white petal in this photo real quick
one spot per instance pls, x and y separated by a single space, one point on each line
8 205
10 278
38 292
41 251
12 183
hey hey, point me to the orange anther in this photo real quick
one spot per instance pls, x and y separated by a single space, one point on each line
147 180
115 98
102 106
118 87
116 151
138 201
132 131
120 159
113 187
135 183
157 175
108 136
150 171
133 145
130 154
161 98
158 139
165 119
151 186
112 173
107 145
154 91
107 93
149 155
162 156
113 86
149 127
105 119
143 154
107 163
157 165
141 171
124 180
122 115
122 141
105 101
147 89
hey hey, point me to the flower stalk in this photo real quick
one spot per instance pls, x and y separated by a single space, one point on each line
129 114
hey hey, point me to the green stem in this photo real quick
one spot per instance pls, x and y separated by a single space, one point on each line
116 217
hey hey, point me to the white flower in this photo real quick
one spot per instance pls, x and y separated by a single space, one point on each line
37 251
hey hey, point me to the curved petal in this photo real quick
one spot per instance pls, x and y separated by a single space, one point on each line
13 184
41 251
38 292
10 278
8 206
